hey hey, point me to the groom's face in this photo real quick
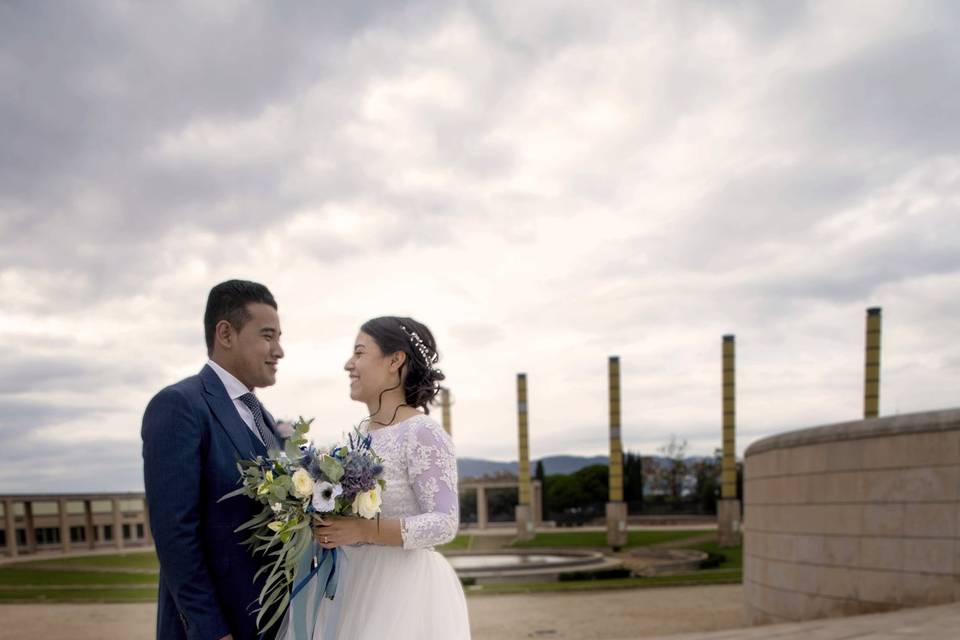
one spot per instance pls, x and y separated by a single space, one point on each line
258 347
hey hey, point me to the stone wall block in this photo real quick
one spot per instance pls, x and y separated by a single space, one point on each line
845 455
924 590
930 520
879 586
841 551
810 548
805 460
881 553
842 519
928 556
840 487
782 547
883 519
929 449
837 582
921 484
806 578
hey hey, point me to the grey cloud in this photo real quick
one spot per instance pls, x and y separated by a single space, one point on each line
771 203
897 98
81 113
29 373
36 465
18 416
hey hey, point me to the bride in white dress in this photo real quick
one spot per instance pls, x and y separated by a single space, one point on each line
391 581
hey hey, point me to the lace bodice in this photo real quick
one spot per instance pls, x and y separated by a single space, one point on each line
420 468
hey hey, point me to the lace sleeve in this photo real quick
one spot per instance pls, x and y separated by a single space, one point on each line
432 469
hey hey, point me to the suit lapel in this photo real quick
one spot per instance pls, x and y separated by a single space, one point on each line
226 413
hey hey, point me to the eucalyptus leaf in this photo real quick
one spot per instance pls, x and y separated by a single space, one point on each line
237 492
331 468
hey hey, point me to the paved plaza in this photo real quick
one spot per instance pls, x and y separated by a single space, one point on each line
927 623
695 613
589 615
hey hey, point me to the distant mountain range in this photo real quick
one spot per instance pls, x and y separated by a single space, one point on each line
477 467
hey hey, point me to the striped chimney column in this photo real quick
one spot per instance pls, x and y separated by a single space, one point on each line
729 465
728 507
445 406
871 385
524 510
523 468
616 507
616 446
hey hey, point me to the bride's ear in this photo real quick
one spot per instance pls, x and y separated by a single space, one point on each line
397 360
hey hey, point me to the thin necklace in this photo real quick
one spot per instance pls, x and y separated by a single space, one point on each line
385 424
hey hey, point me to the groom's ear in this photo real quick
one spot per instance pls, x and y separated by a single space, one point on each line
224 334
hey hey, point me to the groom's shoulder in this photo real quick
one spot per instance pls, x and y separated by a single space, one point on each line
189 385
184 391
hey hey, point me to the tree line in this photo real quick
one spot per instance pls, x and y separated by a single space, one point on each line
670 483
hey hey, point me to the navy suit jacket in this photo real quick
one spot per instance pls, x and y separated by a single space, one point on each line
192 439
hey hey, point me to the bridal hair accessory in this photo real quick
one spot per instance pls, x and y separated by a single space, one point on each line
420 346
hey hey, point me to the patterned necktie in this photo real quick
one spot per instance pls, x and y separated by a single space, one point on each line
266 435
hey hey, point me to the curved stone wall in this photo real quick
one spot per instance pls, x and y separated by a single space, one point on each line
853 518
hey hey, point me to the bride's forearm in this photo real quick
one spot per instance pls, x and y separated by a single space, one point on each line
385 531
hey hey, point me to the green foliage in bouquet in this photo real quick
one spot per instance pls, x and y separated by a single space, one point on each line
281 531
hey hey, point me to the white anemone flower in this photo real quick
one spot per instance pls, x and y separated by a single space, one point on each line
325 496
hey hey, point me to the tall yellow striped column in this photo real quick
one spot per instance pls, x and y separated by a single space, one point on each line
523 467
728 507
524 515
729 465
871 385
616 507
616 446
445 407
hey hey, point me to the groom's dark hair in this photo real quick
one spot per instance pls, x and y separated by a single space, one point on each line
228 301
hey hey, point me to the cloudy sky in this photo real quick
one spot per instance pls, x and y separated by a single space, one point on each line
544 184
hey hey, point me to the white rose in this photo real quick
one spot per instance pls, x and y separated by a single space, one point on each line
367 504
302 483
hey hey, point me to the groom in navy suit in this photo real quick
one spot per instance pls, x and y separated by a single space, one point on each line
193 434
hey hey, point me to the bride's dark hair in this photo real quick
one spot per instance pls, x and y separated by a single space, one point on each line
393 334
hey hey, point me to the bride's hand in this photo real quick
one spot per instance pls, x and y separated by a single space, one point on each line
334 531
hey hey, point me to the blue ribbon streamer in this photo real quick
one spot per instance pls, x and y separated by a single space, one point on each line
325 570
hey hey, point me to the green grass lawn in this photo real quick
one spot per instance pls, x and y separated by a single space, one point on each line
708 577
140 560
598 539
132 576
17 577
79 595
122 577
460 543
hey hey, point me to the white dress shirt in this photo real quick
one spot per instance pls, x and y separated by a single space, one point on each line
235 389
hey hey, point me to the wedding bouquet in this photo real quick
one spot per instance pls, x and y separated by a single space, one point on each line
295 486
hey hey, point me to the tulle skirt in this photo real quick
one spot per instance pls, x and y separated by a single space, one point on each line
389 592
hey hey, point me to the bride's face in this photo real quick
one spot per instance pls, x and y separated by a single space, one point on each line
371 372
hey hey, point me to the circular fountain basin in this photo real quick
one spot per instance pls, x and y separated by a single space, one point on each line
491 561
521 566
